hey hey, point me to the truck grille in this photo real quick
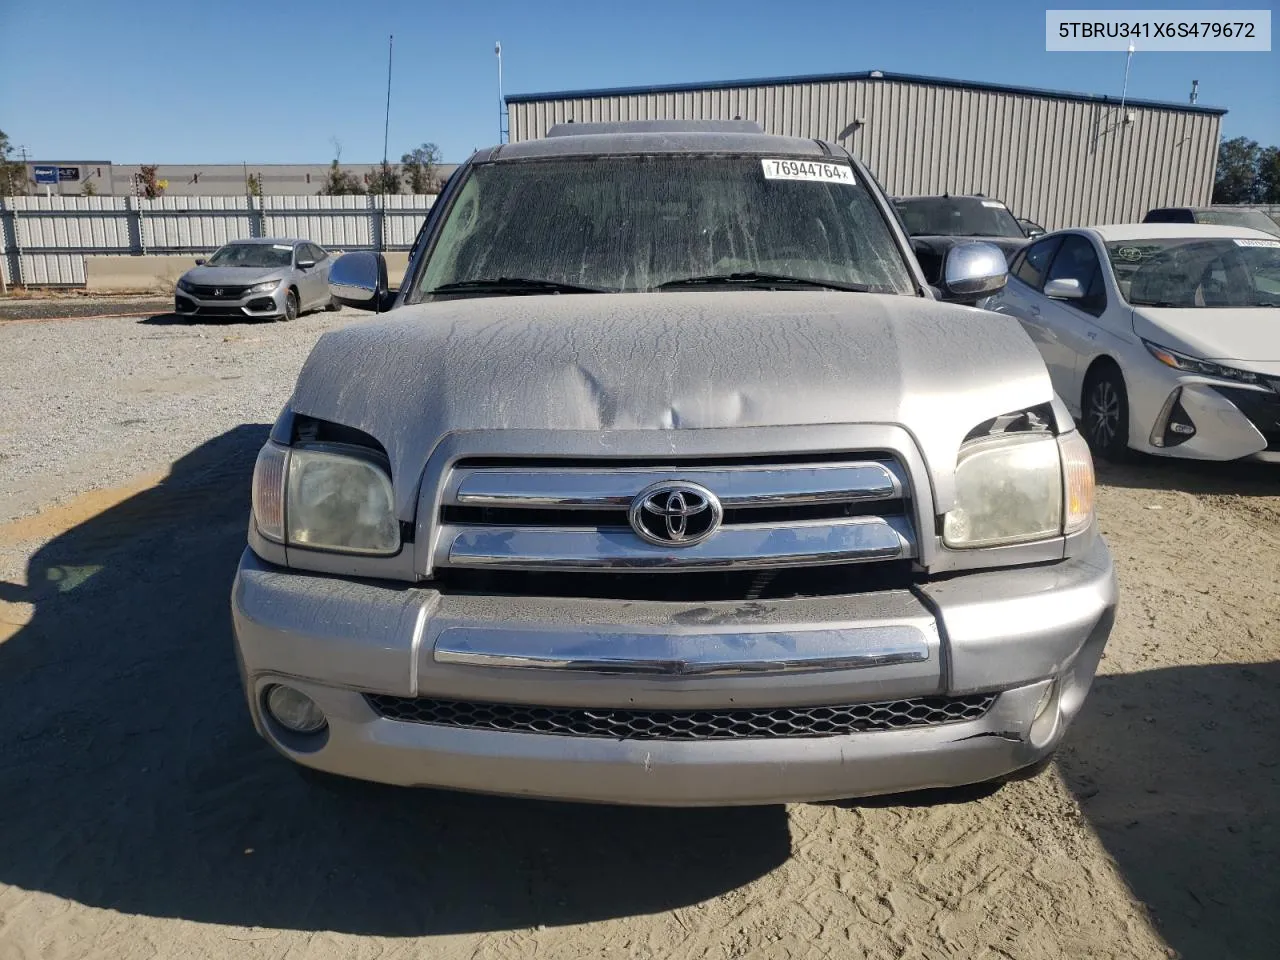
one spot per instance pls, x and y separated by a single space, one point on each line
625 724
210 292
575 516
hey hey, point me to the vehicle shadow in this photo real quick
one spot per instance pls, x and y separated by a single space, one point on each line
133 781
1241 478
1178 771
177 320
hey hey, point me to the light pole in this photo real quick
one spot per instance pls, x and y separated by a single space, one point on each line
497 49
386 126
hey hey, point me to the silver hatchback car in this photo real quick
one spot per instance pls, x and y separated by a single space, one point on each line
269 278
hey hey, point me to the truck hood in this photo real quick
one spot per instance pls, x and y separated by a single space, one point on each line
670 361
1248 337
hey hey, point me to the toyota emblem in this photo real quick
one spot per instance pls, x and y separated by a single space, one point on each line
675 514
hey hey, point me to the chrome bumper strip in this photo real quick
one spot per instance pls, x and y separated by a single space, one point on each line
834 647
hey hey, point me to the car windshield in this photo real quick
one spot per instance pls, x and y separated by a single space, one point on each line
637 223
1254 219
1198 272
957 217
252 255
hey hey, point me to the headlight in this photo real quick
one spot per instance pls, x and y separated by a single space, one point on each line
1008 490
1180 361
184 284
266 286
324 499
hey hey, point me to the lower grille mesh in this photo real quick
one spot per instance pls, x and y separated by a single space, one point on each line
745 724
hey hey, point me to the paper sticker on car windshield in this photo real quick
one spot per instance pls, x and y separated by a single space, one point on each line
993 203
807 170
1132 254
1257 243
281 246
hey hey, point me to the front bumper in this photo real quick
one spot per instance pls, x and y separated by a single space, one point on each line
259 305
1033 635
1230 422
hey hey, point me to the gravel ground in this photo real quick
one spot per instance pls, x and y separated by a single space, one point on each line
141 817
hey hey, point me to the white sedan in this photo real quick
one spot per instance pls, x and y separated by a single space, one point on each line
1162 338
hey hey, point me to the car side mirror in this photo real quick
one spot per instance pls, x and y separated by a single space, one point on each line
200 261
306 264
1064 288
973 271
359 279
1030 230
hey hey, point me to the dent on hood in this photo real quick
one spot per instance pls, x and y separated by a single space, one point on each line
670 361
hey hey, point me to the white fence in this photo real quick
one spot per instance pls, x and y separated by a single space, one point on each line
44 240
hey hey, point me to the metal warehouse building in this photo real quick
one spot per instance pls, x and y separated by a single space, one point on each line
1059 159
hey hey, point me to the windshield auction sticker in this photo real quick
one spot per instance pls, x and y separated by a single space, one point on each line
1245 242
1238 31
807 170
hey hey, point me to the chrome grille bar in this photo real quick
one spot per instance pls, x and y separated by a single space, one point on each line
747 486
737 547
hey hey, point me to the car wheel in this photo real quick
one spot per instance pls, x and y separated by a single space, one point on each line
290 306
1106 414
332 305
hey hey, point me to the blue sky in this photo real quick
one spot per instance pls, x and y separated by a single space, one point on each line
152 82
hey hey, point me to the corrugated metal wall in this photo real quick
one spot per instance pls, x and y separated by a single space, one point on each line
44 240
1057 161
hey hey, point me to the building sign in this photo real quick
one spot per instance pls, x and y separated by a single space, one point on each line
45 174
68 173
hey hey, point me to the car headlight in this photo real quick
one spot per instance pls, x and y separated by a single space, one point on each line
325 499
184 284
266 286
1180 361
1017 488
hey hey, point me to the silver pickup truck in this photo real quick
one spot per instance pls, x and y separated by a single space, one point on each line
667 479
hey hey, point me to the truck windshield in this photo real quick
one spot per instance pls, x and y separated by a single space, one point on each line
957 217
637 223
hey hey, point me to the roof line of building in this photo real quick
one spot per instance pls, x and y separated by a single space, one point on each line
863 75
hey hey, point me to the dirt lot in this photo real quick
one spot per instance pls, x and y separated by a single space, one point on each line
141 817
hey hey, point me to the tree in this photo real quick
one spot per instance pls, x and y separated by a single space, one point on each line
149 186
13 173
1237 177
1268 189
386 179
89 188
420 164
339 182
253 185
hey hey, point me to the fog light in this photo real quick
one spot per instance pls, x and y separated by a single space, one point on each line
294 710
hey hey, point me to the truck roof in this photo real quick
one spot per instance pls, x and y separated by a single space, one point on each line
657 137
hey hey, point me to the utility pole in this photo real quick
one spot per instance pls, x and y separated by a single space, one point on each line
497 49
386 127
1124 91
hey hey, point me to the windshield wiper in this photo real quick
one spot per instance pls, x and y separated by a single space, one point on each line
764 280
512 285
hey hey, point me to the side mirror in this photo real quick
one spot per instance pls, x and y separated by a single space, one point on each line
973 271
1030 230
1064 288
199 261
306 264
359 279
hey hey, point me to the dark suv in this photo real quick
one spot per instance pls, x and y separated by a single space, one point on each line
936 224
